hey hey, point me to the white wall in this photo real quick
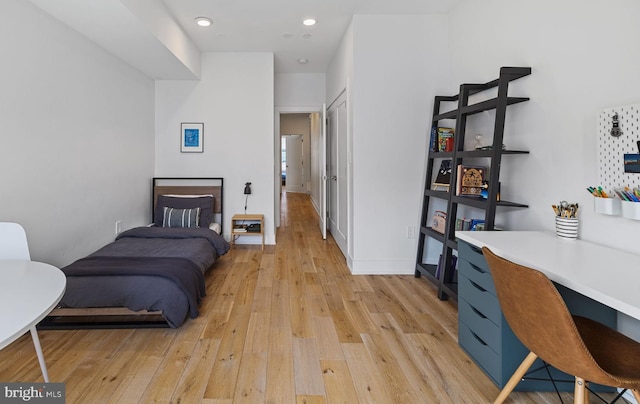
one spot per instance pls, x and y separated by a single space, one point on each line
340 70
299 90
584 58
76 126
234 100
399 64
162 24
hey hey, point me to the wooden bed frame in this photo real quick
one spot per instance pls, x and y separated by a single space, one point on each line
121 317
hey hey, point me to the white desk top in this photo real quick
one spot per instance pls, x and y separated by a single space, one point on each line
607 275
29 290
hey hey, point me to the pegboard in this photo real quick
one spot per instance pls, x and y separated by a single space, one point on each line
611 150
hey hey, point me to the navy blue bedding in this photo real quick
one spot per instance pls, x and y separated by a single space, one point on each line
186 275
147 268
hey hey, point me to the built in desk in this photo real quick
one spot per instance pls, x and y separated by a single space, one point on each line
604 274
595 281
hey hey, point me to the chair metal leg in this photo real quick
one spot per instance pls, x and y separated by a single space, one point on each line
516 377
579 395
36 343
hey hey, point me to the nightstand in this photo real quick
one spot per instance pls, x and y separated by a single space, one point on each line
240 226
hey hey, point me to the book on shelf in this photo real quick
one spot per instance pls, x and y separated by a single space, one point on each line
477 225
463 224
240 228
443 178
433 141
445 139
439 268
470 180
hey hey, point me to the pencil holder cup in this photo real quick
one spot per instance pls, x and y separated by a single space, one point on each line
631 210
607 206
567 227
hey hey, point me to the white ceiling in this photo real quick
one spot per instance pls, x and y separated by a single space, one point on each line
138 30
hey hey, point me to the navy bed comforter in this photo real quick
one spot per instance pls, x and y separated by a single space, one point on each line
147 268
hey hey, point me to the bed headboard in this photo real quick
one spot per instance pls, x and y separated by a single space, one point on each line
190 186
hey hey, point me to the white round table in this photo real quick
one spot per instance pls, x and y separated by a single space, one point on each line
29 290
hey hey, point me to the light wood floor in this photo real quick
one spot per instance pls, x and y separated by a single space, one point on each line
287 325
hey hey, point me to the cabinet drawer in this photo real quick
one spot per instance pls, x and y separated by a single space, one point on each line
480 352
478 275
472 254
480 298
481 325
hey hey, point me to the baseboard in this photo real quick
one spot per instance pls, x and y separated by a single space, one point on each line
383 267
315 206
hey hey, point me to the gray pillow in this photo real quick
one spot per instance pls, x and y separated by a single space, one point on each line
173 217
205 203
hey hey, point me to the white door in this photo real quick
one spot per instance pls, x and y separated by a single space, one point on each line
337 183
323 172
294 179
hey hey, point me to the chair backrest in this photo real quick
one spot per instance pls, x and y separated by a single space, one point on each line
540 319
13 242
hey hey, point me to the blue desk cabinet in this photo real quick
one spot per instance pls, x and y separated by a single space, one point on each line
483 332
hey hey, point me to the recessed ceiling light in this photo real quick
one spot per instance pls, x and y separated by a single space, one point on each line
303 61
309 22
306 36
204 21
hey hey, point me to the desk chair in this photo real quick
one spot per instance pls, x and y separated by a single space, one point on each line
14 246
576 345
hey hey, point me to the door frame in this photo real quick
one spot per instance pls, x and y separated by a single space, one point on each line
347 92
346 245
277 149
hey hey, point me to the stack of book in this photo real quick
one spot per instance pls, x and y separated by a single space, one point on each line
469 224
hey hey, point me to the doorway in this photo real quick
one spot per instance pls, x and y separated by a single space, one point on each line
293 163
314 146
298 121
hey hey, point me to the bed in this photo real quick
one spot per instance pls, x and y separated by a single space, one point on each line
152 275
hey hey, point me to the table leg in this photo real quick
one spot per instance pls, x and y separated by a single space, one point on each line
36 343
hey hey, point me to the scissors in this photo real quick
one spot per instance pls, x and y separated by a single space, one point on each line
566 209
562 207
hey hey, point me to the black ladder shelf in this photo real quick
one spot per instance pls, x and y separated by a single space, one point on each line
446 278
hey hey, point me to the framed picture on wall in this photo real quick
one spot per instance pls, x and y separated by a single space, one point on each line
191 137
